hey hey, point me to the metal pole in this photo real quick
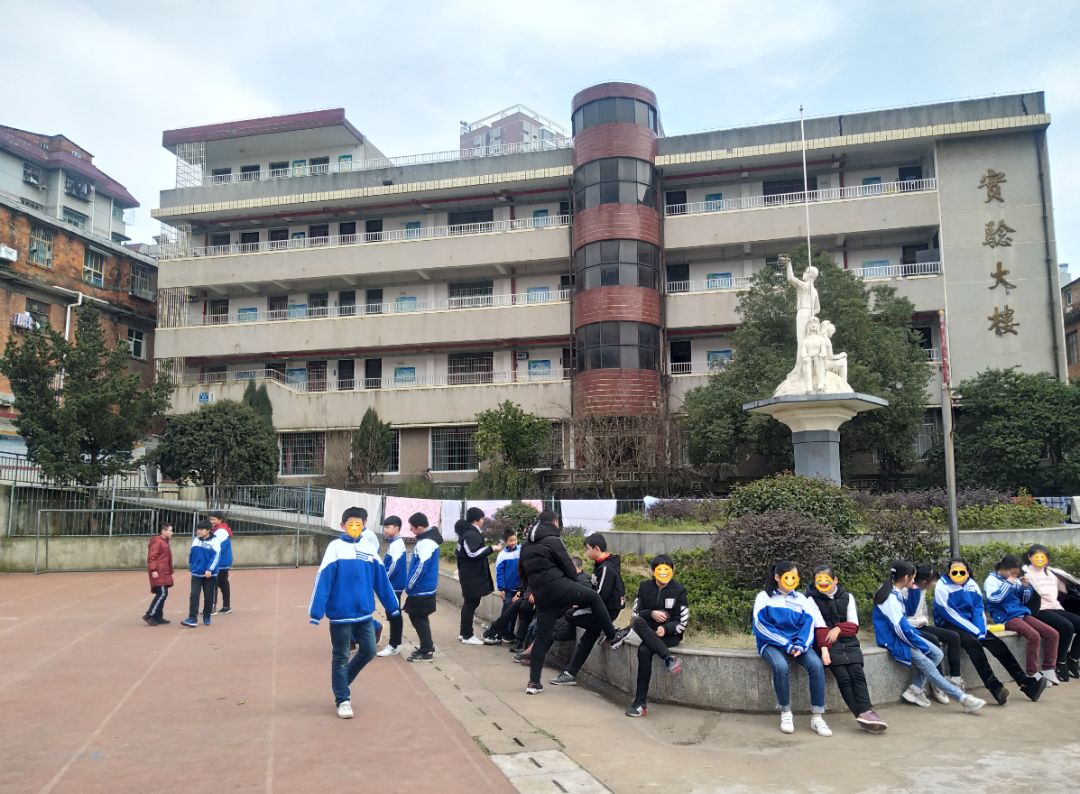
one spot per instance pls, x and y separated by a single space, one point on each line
947 433
112 507
37 539
297 539
11 503
806 185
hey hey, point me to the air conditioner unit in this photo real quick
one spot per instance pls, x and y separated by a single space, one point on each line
8 253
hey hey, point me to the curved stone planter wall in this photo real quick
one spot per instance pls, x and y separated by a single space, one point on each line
730 680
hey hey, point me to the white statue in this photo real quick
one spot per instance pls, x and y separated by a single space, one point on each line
807 304
812 356
834 362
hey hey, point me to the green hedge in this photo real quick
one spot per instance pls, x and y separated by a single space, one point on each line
1012 515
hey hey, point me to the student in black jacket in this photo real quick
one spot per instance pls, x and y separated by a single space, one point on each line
607 581
548 572
474 572
661 612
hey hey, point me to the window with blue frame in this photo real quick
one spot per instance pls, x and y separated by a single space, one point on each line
412 229
540 218
875 268
538 294
299 166
714 202
719 281
404 376
247 315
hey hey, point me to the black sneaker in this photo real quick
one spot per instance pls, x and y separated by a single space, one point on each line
1001 694
224 611
214 611
162 621
1034 687
1074 668
620 637
637 710
534 688
516 647
1063 674
564 678
674 666
420 656
492 641
149 620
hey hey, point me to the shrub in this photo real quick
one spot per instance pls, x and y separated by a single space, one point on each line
703 511
905 535
1009 515
419 487
752 542
517 516
637 522
928 499
825 503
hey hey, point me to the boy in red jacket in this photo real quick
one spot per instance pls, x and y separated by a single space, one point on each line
159 567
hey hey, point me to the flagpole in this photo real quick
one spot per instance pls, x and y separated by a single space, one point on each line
806 185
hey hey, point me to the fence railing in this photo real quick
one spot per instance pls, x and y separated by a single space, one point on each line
710 284
898 271
391 235
353 166
690 368
400 306
446 379
814 196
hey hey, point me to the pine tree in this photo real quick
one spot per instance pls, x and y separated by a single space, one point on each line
370 452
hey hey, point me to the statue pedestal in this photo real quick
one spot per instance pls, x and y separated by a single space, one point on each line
815 421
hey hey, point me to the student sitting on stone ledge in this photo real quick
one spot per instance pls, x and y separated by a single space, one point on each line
660 614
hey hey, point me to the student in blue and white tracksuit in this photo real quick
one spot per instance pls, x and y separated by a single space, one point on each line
422 582
223 538
1007 595
396 562
203 560
345 588
784 623
507 575
907 646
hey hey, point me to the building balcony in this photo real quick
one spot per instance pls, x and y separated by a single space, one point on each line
494 243
704 304
919 282
847 210
421 401
399 324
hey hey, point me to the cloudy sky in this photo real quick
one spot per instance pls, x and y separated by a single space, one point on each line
113 74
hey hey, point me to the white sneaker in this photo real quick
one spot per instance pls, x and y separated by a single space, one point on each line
389 650
971 704
939 696
916 696
473 640
819 726
344 710
1051 676
959 681
787 722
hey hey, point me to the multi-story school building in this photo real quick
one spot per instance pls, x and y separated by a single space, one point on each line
596 274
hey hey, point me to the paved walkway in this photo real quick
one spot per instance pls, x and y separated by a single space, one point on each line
93 700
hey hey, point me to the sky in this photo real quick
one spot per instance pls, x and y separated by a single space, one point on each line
112 75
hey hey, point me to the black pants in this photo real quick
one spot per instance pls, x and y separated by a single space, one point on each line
851 682
976 651
468 610
949 641
555 599
1067 625
420 609
224 588
201 585
157 605
397 624
593 629
513 622
651 645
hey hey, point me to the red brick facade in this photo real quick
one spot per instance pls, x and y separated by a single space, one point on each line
630 90
636 304
614 140
616 222
617 392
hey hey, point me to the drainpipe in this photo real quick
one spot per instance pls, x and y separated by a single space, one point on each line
67 317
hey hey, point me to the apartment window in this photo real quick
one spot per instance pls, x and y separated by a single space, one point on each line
412 229
393 453
218 311
615 180
564 208
318 304
346 374
279 168
470 294
469 220
316 375
320 165
675 202
249 242
678 278
373 230
221 175
618 110
278 238
373 300
347 303
679 355
618 345
141 282
628 263
32 204
277 307
540 218
302 453
773 263
117 213
78 188
39 312
31 175
220 242
786 191
347 231
135 342
453 449
250 173
719 281
466 368
1072 347
40 251
94 268
909 173
75 218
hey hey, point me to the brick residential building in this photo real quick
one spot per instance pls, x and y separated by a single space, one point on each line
62 229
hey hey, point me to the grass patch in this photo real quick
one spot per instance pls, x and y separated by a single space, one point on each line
636 522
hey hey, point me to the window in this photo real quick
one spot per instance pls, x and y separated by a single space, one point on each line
299 167
373 230
875 268
679 354
117 213
135 342
1072 351
373 301
404 376
466 221
39 311
614 110
94 268
319 165
31 175
249 242
717 359
279 238
347 303
412 229
466 368
75 218
678 278
78 188
302 453
319 233
773 263
316 375
628 263
344 162
719 281
318 304
218 312
615 180
540 218
393 453
248 314
277 307
250 173
453 449
219 243
675 202
471 294
142 281
32 204
909 254
40 251
372 373
537 294
618 345
221 175
909 173
279 168
871 180
347 231
346 374
786 191
714 202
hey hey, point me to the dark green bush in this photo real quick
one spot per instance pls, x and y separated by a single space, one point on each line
749 544
1012 515
703 511
824 502
905 536
517 516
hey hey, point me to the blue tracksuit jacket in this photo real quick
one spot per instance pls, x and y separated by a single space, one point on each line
786 621
892 630
205 555
347 582
397 564
224 542
507 577
959 607
423 579
1006 600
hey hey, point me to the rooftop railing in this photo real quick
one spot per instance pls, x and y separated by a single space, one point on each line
814 196
445 379
392 235
352 166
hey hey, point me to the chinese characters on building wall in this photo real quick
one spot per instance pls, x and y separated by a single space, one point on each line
999 235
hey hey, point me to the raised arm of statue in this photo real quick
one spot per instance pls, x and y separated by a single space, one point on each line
796 283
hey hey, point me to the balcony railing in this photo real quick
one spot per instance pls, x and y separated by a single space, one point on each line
784 199
373 309
710 284
349 166
898 271
443 380
690 368
393 235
